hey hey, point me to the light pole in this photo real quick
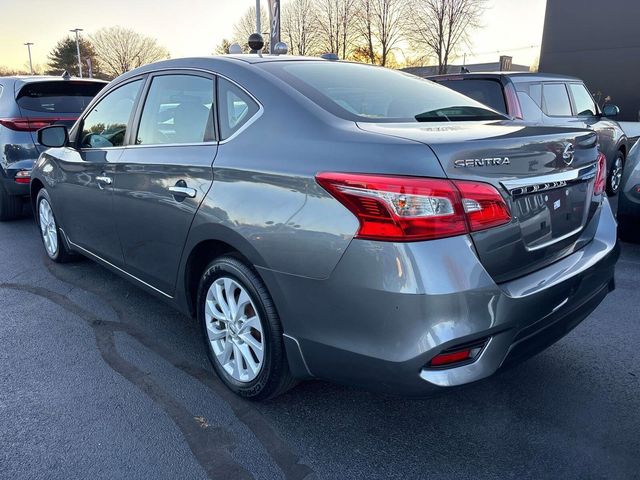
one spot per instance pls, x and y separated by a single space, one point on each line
77 31
258 26
28 45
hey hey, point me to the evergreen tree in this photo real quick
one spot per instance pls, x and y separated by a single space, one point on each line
64 56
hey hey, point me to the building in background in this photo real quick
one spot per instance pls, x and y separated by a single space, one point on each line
504 64
600 43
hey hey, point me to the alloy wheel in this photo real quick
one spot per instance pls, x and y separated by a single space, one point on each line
48 227
616 174
234 329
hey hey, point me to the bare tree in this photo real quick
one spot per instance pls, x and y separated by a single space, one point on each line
120 49
336 20
443 25
223 47
382 25
299 30
246 25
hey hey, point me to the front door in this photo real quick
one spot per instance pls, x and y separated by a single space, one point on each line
162 179
87 174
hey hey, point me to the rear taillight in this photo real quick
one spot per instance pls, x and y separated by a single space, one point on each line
392 208
601 177
23 176
513 103
25 124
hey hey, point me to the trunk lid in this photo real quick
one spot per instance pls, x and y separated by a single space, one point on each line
545 174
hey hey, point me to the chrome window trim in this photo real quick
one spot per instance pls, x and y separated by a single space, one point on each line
551 181
249 122
100 259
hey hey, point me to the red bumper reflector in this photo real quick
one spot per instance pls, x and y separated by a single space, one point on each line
448 358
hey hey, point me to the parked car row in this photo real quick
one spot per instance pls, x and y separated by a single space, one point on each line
26 105
547 99
325 219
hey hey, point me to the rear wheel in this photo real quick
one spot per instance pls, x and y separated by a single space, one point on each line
615 179
10 205
242 331
49 231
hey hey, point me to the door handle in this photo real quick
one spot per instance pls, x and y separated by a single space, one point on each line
178 191
104 180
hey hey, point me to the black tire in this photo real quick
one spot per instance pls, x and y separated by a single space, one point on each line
274 377
62 253
614 189
10 206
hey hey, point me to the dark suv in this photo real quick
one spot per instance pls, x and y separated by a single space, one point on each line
548 99
27 104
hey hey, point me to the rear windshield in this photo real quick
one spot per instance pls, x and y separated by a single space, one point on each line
373 94
488 92
58 96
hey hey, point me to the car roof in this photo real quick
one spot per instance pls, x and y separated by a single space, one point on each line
515 76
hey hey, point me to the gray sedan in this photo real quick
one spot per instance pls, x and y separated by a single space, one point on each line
332 220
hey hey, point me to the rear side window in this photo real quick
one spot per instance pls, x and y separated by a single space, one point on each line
488 92
106 125
236 108
178 109
585 106
555 100
58 96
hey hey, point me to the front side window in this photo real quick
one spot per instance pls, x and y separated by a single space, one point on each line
106 125
555 100
585 106
178 110
236 108
374 94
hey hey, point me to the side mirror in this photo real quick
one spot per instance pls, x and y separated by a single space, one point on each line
610 110
53 136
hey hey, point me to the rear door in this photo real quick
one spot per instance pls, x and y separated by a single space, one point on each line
163 176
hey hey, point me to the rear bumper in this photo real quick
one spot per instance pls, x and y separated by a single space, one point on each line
387 309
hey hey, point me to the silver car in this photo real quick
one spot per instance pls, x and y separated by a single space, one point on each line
333 220
28 103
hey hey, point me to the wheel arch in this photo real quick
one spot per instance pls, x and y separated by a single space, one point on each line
206 243
34 189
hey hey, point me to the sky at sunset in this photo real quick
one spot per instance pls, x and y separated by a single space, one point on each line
195 27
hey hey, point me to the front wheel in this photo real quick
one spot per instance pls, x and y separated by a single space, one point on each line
615 179
242 330
49 231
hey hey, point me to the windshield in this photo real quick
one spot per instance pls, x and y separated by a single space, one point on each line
374 94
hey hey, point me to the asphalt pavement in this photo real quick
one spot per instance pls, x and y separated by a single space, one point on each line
99 380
